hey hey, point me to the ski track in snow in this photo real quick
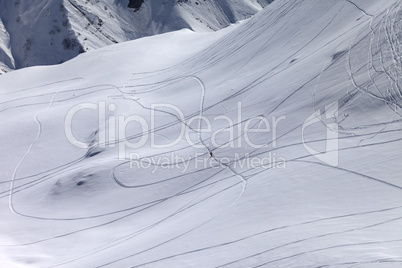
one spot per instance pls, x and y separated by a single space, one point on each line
205 191
201 112
280 228
39 132
146 207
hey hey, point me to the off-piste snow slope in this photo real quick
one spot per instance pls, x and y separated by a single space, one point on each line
44 32
323 190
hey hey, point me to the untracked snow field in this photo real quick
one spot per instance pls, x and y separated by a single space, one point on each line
275 142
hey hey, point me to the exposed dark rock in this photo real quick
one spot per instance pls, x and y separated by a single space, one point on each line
136 4
70 44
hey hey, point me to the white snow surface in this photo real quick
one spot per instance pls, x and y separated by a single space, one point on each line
44 32
323 76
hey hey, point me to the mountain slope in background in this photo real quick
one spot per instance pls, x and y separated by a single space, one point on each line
43 32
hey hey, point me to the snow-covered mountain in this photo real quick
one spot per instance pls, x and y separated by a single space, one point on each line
43 32
275 142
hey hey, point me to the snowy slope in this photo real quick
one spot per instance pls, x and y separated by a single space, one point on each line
319 80
44 32
39 33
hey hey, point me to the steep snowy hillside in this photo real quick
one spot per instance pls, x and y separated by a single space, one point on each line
275 142
43 32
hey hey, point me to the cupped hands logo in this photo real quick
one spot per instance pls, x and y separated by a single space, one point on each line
327 117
